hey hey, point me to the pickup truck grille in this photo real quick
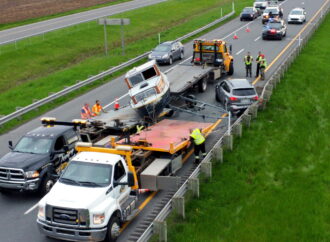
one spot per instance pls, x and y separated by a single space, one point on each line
11 174
67 216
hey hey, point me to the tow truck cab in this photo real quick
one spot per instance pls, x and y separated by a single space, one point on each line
36 158
214 52
91 199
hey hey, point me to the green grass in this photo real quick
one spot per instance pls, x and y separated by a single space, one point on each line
275 186
34 20
39 66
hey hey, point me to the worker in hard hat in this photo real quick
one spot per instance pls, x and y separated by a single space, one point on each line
97 108
85 112
198 139
263 66
248 64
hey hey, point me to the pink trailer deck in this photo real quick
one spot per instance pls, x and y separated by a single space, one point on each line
167 135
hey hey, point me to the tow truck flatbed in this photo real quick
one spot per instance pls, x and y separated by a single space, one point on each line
186 75
166 136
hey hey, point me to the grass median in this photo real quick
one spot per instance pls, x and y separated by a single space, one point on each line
275 186
44 64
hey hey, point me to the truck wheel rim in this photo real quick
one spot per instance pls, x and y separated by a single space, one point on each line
115 230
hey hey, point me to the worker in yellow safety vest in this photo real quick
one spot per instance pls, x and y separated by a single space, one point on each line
97 108
198 139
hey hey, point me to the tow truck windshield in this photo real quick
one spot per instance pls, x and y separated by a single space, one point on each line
87 174
33 145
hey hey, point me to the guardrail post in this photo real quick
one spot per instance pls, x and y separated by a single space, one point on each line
253 110
237 130
247 120
179 206
161 229
217 154
267 95
228 142
206 168
193 185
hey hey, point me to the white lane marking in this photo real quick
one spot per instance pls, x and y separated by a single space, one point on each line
256 39
31 209
239 52
115 100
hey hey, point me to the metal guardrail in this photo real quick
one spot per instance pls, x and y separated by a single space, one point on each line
97 77
271 81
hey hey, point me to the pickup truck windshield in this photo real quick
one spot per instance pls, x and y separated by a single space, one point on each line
34 145
87 174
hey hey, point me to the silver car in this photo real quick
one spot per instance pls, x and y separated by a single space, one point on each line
236 95
297 15
167 52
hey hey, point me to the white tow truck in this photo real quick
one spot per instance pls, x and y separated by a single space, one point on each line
91 199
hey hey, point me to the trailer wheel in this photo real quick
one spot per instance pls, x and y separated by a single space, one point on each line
231 69
46 184
113 229
202 85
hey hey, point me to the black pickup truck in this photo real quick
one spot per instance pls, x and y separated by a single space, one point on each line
36 159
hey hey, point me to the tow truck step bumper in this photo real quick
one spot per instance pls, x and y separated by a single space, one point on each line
71 234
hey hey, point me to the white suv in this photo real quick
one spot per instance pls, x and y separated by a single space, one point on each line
297 15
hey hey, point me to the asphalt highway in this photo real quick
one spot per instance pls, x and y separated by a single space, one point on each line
18 211
25 31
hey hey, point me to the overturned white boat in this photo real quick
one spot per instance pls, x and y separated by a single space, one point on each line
149 89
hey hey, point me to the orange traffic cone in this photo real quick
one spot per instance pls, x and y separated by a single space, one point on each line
140 191
235 36
248 30
116 105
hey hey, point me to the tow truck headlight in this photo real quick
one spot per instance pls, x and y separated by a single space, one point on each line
31 174
41 212
98 218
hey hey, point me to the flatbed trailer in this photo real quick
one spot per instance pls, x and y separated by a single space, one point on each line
188 75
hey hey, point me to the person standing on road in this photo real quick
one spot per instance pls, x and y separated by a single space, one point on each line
248 64
258 63
263 66
198 139
85 112
97 108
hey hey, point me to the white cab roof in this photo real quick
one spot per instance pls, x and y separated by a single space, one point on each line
97 157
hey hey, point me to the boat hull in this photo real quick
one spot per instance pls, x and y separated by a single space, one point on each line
153 109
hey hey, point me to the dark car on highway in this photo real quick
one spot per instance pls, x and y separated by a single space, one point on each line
236 95
167 52
249 13
34 160
274 30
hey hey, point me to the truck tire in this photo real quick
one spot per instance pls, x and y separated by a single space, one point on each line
113 229
181 55
170 62
46 185
231 69
202 85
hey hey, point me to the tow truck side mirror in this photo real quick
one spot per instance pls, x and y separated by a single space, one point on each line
230 48
10 145
130 179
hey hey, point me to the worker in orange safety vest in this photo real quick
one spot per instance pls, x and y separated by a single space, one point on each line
97 108
85 112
